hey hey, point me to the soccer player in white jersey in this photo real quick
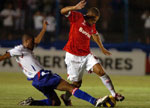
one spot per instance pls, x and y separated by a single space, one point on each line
44 80
78 55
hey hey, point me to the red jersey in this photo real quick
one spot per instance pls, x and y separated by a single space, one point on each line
79 36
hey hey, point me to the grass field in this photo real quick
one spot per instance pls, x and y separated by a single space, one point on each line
14 87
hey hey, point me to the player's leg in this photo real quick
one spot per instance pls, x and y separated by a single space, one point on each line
94 65
97 68
75 73
77 84
73 77
46 83
67 95
65 86
52 99
55 99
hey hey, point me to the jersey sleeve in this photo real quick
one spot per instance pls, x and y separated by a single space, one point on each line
16 51
73 16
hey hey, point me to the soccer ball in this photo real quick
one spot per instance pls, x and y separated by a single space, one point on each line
111 102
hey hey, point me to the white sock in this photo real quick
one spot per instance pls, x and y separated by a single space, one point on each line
108 83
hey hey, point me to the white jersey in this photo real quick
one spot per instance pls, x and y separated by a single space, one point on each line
26 60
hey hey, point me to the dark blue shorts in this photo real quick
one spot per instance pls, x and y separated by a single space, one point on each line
45 81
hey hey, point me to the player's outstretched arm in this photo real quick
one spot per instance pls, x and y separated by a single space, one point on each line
78 6
5 56
96 38
41 34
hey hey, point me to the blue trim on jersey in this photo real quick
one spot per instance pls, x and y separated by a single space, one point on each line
33 67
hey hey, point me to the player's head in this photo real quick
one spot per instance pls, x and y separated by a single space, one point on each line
28 41
92 15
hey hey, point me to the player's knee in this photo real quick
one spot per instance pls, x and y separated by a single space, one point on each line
57 103
77 84
98 69
101 72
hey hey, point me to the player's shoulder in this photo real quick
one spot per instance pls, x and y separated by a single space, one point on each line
79 13
19 47
16 51
76 13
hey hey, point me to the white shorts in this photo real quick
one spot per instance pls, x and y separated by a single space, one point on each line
76 65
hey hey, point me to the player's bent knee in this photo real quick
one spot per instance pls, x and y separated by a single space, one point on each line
101 73
98 69
77 84
57 103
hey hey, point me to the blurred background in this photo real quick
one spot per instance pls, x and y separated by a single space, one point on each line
124 24
121 20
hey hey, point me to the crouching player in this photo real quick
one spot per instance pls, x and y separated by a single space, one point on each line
44 80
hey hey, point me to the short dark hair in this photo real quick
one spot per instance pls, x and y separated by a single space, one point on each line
28 35
95 11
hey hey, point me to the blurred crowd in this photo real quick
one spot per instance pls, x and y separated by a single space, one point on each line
19 16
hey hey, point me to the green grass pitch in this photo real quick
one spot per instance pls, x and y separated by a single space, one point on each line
14 87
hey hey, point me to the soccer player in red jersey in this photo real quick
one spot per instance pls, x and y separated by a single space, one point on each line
78 56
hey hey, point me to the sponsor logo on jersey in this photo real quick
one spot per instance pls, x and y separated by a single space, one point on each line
84 32
84 23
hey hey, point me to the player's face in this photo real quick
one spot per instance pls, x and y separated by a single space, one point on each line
28 43
93 20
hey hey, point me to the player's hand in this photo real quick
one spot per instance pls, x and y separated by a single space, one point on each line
45 23
106 52
80 5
